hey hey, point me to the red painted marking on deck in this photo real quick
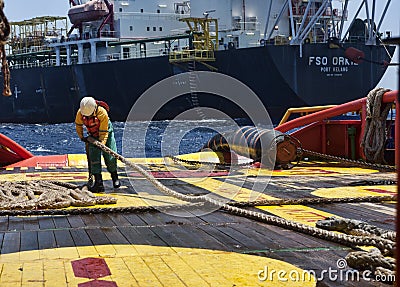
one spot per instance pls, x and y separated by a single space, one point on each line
56 176
378 190
181 174
91 268
98 283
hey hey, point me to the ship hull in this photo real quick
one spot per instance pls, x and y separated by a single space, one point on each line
281 76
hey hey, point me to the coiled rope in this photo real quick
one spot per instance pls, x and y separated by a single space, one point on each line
47 195
372 260
374 138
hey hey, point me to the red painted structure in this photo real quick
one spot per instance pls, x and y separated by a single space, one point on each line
11 152
317 133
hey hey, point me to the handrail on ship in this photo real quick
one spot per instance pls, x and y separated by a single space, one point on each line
389 97
303 111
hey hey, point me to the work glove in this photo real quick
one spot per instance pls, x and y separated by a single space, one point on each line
85 139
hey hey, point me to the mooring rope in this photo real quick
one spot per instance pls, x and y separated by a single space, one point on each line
47 195
384 245
352 226
373 141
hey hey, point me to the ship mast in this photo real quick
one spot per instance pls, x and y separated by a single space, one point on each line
317 21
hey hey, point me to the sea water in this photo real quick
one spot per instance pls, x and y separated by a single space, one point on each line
189 136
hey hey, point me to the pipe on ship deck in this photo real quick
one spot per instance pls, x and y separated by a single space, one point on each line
388 97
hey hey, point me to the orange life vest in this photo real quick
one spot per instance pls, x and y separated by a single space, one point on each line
92 125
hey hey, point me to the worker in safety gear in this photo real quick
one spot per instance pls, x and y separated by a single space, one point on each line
94 116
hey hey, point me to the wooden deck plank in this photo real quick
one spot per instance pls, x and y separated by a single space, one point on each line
15 223
119 219
90 220
31 223
64 239
46 222
82 239
11 242
124 275
53 271
29 242
33 274
144 276
61 222
11 275
4 223
104 219
101 242
75 221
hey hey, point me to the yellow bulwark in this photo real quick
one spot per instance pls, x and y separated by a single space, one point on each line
204 33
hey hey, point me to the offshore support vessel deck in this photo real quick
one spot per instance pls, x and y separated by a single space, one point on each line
116 50
151 238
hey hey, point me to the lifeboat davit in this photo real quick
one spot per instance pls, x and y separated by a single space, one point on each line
90 11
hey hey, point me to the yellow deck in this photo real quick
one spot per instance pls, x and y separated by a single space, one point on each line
159 249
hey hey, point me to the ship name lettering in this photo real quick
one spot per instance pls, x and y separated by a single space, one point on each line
341 61
318 61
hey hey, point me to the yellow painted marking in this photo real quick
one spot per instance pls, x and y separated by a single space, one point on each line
164 266
356 191
53 272
141 273
124 273
11 274
323 171
298 213
69 253
226 189
32 274
61 176
164 274
187 272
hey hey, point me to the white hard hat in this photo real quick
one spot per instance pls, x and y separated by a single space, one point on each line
88 105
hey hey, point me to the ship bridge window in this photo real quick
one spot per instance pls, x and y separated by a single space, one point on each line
141 10
130 28
160 29
158 11
148 28
154 29
120 9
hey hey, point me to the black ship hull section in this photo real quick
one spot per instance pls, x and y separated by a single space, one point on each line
281 76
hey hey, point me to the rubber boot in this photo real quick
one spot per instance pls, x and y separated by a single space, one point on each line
98 184
114 177
90 182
